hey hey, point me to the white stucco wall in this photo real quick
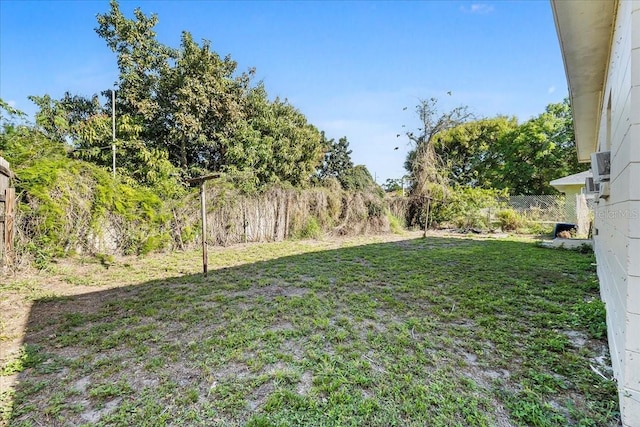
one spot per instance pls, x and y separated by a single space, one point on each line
617 219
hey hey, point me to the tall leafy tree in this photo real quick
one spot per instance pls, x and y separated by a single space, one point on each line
184 106
21 143
275 142
188 107
188 100
538 151
337 164
500 153
337 160
52 117
84 127
395 186
471 151
359 178
141 59
200 105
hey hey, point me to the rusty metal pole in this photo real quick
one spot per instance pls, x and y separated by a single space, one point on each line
9 217
203 213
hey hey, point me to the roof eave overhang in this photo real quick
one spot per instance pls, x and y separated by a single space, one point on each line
585 30
564 188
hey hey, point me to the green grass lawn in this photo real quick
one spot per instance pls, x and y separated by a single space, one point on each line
435 331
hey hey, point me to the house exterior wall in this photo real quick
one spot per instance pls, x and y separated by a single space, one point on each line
617 218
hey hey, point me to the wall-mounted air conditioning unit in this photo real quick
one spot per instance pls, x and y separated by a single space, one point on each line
601 166
590 186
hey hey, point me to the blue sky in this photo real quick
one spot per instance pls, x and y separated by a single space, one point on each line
350 67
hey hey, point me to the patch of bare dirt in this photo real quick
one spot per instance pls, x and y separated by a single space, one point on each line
94 415
361 261
260 395
306 381
577 339
271 291
15 306
294 348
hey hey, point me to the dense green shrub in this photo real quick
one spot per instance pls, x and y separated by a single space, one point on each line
592 316
539 228
510 219
469 207
457 206
68 206
395 224
310 230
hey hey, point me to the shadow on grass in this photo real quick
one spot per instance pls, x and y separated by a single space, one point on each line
434 331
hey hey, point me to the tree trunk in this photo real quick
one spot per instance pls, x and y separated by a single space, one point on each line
183 155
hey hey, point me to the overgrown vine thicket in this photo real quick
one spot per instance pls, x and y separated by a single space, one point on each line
180 112
66 215
69 206
460 165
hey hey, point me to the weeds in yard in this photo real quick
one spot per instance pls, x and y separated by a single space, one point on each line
435 331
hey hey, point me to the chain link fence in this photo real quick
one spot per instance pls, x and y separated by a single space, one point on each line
544 210
548 209
540 208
